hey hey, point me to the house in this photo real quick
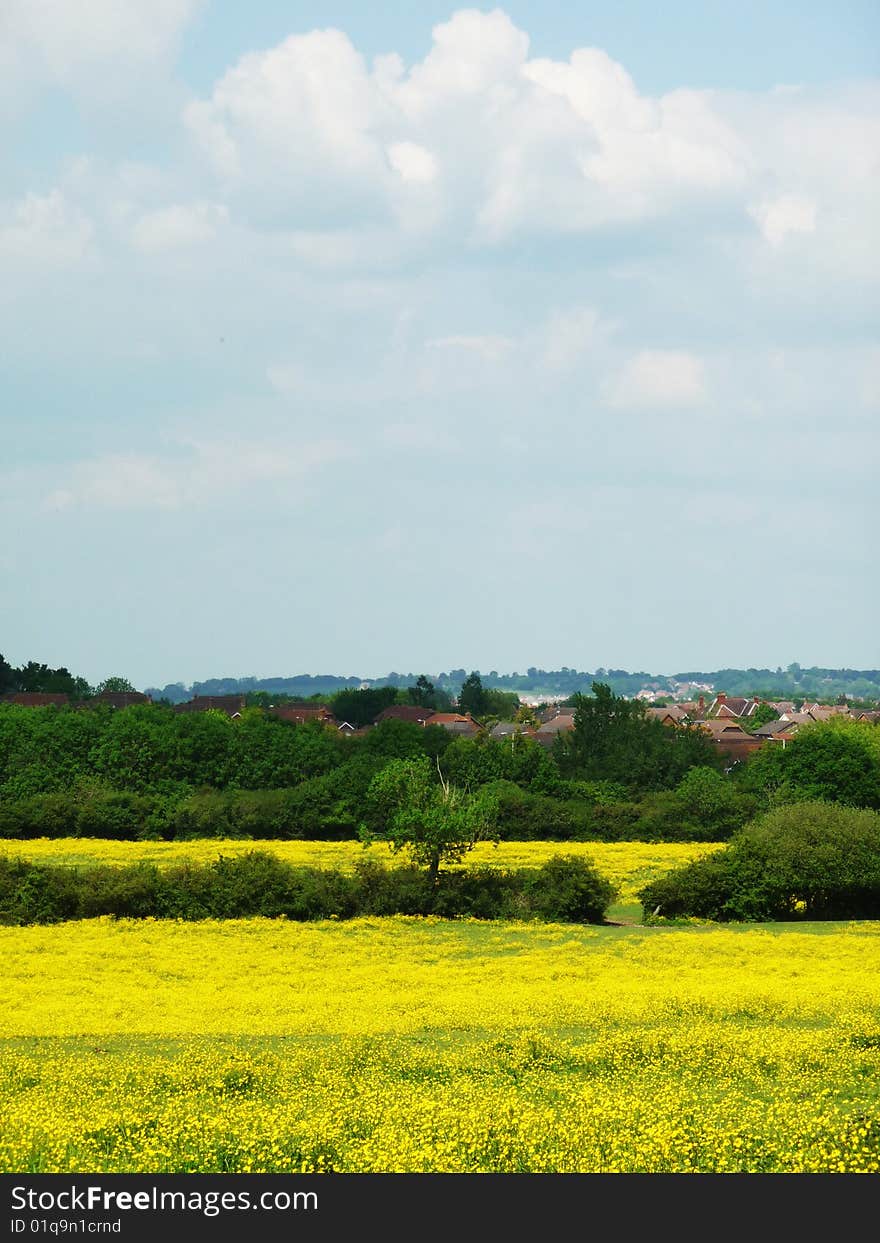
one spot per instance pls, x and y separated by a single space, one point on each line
695 709
673 715
407 712
121 699
35 699
729 707
547 733
511 729
231 705
777 731
301 714
456 723
731 739
551 712
797 718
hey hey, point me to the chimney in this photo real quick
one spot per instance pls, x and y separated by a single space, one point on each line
702 703
721 697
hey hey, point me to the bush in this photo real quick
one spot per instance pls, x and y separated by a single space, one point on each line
392 891
802 861
260 884
568 889
32 894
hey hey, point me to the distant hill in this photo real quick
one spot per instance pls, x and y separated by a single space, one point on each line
794 682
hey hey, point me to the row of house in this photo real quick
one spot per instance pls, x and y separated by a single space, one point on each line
721 718
46 699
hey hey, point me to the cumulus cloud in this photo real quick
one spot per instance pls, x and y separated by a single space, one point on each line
777 218
522 143
179 225
569 336
412 163
95 48
491 348
658 379
204 473
45 230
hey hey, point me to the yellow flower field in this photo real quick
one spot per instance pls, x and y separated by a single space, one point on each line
422 1044
628 865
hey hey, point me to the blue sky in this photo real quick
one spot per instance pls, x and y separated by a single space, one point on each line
344 341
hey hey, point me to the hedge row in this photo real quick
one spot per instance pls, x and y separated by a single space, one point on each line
318 810
566 889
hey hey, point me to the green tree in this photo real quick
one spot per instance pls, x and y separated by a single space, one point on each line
428 817
614 740
423 694
836 760
116 685
7 677
473 697
361 707
762 714
38 677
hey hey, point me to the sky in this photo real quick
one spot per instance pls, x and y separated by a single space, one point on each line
347 339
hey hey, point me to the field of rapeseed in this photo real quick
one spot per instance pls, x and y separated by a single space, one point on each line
419 1044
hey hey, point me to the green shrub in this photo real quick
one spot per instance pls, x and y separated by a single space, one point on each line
808 860
130 892
392 891
260 884
568 889
34 894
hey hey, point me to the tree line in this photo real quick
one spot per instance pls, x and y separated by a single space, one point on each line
147 771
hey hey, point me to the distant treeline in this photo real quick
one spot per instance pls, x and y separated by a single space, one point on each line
793 682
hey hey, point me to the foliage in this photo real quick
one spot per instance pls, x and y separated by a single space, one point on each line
761 715
433 820
613 740
260 884
361 707
569 889
802 861
116 685
424 694
836 760
472 698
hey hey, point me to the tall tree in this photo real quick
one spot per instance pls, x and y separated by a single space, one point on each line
423 694
7 676
473 697
614 740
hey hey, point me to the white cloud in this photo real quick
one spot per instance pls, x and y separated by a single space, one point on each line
569 336
45 229
206 472
412 163
93 47
179 225
655 379
302 111
521 144
777 218
491 348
